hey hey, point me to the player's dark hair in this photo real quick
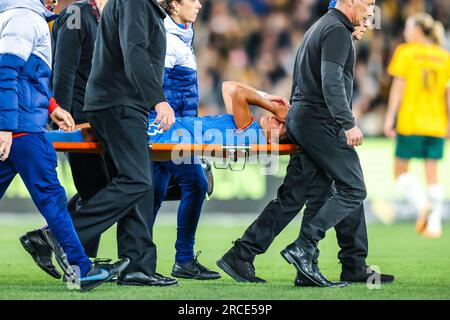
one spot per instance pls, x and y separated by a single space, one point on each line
285 139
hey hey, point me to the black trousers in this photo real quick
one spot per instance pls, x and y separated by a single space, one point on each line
89 173
326 145
304 184
128 198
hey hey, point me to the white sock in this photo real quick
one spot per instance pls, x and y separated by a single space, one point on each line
436 194
413 191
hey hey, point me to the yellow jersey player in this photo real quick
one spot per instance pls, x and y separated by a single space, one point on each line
420 99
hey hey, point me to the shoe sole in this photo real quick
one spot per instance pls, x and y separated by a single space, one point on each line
228 270
137 284
194 277
108 279
29 247
287 256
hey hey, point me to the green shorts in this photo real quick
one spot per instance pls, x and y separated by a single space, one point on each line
420 147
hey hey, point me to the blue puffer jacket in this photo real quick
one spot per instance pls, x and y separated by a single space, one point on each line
180 75
25 60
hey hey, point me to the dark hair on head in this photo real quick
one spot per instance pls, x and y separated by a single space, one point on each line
167 5
285 139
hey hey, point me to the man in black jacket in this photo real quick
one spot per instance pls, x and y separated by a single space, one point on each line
125 83
322 123
305 182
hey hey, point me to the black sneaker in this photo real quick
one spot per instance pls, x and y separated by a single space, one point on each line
100 274
240 270
102 262
362 274
35 243
193 270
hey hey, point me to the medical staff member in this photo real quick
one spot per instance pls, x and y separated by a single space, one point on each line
72 62
420 100
181 90
25 70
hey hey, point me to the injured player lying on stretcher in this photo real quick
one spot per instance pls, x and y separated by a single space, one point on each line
238 127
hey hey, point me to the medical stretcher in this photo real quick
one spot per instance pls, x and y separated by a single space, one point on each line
83 141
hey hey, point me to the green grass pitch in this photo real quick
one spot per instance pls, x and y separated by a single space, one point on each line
420 265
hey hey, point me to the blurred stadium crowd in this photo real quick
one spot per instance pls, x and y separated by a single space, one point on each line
255 41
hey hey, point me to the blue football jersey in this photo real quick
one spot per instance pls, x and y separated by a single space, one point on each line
207 130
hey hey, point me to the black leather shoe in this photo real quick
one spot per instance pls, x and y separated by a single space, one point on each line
36 245
102 273
362 274
193 270
302 281
240 270
141 279
302 260
60 255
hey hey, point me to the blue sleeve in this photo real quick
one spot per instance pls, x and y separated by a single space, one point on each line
10 66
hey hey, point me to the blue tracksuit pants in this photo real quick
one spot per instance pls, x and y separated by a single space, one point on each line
34 159
194 186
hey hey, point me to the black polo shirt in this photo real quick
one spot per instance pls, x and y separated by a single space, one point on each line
323 73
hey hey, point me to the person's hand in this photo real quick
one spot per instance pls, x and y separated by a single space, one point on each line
354 137
164 116
63 119
280 107
389 128
280 111
278 99
5 144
